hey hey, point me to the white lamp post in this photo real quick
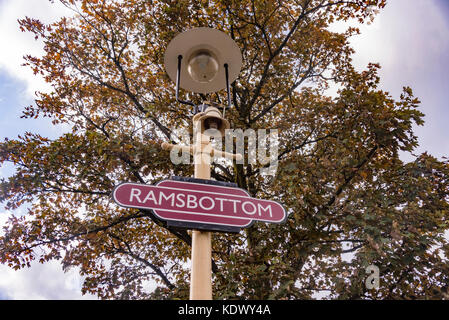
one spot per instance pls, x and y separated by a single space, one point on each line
203 60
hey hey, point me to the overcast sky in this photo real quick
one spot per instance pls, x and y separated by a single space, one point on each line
410 39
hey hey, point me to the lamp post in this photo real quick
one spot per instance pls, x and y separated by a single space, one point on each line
203 60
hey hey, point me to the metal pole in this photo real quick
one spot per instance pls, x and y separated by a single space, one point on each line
201 270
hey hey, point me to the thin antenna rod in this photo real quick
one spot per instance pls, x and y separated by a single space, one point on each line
178 80
227 89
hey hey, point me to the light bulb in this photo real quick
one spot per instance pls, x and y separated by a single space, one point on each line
211 123
202 66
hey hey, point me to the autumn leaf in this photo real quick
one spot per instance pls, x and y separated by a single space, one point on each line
340 177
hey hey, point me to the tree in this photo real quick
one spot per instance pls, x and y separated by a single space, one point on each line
340 176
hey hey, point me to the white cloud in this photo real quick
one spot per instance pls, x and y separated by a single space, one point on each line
41 281
16 44
404 38
410 40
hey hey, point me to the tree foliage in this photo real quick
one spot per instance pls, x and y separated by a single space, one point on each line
351 201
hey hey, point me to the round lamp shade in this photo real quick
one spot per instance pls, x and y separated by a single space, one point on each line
204 53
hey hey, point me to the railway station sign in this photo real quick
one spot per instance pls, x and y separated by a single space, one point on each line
199 205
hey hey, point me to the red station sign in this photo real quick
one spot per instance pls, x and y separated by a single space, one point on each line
206 206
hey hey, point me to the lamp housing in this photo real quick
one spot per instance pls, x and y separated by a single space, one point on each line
210 118
203 54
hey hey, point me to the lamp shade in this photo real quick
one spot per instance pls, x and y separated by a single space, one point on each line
204 53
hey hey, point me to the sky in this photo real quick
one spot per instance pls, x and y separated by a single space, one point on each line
409 38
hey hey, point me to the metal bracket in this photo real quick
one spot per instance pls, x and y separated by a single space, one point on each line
190 103
228 91
178 80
